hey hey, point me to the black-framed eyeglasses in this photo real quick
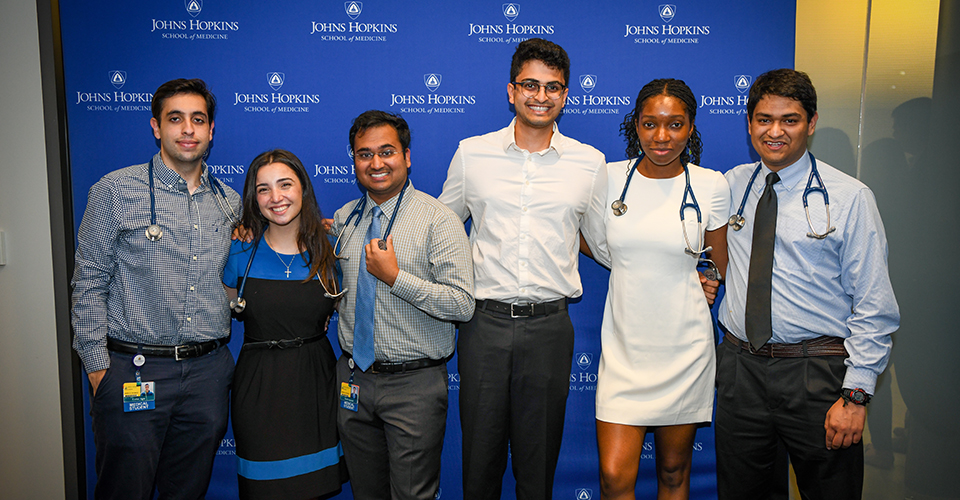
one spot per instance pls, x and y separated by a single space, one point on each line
531 88
366 156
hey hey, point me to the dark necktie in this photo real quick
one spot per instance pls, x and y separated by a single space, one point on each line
363 351
759 323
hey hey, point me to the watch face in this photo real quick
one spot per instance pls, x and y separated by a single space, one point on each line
856 396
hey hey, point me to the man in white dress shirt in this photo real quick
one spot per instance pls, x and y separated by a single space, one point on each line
528 190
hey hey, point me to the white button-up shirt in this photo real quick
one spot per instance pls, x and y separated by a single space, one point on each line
526 209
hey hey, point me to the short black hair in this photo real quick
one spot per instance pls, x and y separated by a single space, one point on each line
784 82
542 50
183 86
376 118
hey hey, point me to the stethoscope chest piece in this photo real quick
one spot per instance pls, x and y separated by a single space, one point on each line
153 232
736 222
619 208
238 304
712 272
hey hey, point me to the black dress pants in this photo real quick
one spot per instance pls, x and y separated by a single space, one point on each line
514 381
761 401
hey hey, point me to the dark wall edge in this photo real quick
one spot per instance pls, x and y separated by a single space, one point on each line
62 240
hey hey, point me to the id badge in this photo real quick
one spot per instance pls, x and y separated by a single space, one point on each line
138 396
349 396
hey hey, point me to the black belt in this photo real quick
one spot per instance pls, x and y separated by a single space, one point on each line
252 343
401 367
523 310
820 346
178 352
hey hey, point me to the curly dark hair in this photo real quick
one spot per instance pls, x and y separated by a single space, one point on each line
784 82
311 234
673 88
541 50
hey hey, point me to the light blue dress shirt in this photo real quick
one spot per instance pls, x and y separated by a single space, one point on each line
838 286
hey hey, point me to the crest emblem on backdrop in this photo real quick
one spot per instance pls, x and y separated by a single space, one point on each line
742 82
432 81
588 82
584 360
511 11
118 78
353 9
193 6
275 80
584 494
667 11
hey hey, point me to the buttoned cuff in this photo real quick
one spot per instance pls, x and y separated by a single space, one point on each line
406 286
95 359
860 378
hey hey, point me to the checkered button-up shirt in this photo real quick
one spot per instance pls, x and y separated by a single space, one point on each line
164 292
414 318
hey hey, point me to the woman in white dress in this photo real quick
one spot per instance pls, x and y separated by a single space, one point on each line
657 365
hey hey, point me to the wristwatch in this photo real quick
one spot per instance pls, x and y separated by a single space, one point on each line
855 396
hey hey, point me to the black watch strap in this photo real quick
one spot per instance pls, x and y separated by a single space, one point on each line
856 396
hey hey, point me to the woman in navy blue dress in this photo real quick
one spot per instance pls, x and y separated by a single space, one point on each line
284 389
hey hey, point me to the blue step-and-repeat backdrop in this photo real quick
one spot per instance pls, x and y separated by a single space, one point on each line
293 74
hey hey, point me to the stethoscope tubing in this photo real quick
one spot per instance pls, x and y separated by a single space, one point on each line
619 207
154 232
357 211
736 221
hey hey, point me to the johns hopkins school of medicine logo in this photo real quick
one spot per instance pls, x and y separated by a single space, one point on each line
432 81
353 9
588 82
193 7
667 11
118 78
742 82
511 11
275 80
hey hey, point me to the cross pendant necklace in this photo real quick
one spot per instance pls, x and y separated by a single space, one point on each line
284 263
281 259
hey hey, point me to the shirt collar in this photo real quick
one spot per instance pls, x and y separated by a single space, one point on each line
790 176
169 177
388 206
510 140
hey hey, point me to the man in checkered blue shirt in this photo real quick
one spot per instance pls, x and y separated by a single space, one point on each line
149 309
396 337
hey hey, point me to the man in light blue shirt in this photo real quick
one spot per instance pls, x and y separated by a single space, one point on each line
806 319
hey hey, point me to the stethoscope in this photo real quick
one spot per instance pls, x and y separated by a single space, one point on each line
154 232
737 220
239 304
358 210
620 207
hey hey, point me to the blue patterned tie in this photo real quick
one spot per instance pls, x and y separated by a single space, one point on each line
363 354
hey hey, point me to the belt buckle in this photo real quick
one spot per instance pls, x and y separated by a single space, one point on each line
176 352
513 310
